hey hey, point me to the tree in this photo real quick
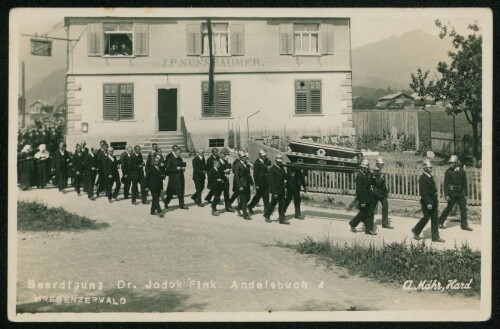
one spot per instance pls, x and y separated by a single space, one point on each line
460 80
423 89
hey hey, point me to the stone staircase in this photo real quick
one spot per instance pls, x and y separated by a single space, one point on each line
165 141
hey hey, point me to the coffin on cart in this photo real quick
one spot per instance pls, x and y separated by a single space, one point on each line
316 156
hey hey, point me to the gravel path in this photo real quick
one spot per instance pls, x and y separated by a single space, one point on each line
193 250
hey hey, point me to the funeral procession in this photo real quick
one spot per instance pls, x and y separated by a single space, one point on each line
231 152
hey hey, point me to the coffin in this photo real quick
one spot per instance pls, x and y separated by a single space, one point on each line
317 156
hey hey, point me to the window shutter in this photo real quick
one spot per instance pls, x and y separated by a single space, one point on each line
300 97
94 37
206 110
193 39
110 92
237 39
315 96
326 39
286 39
141 39
126 101
223 98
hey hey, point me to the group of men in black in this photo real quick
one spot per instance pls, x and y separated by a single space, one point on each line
97 171
371 188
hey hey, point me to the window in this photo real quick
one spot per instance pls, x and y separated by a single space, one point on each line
227 39
118 101
308 97
220 39
216 142
118 39
118 146
221 106
306 38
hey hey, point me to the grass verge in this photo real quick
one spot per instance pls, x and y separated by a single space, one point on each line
35 216
399 262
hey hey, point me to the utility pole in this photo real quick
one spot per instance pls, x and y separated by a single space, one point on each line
23 98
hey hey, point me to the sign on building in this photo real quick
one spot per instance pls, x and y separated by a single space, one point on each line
41 47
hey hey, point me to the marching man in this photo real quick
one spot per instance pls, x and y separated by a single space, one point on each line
365 199
380 192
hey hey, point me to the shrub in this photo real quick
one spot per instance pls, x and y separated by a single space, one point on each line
398 261
35 216
368 142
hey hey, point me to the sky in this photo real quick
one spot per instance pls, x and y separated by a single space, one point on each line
367 26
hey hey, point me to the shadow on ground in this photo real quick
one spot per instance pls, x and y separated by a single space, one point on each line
318 305
168 301
328 215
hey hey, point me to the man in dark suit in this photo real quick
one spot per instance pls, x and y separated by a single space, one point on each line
77 163
102 181
380 193
455 191
60 164
199 168
235 194
112 174
210 163
243 180
125 168
136 165
172 153
155 184
261 178
429 203
215 184
176 184
296 180
90 170
85 149
225 166
277 183
365 199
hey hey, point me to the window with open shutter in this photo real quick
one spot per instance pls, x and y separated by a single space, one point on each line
221 106
94 37
118 101
286 39
237 39
308 97
193 39
141 36
327 39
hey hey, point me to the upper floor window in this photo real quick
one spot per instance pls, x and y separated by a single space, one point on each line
118 39
227 39
220 39
306 39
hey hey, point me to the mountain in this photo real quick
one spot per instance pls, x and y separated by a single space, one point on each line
50 89
389 62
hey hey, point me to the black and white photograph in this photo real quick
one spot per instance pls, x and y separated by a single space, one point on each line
250 164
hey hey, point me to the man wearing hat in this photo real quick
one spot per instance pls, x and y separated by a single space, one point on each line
380 192
261 178
455 191
365 199
295 181
242 179
277 181
429 203
209 165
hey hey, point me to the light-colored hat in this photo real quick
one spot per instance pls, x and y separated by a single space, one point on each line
262 153
453 159
26 148
427 163
278 158
365 163
380 160
241 154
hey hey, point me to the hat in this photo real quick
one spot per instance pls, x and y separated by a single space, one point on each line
262 153
365 163
427 163
453 159
377 168
278 158
241 154
380 160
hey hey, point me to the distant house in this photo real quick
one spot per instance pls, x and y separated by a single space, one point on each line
397 100
35 111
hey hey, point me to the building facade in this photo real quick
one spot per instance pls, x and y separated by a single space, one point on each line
131 80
